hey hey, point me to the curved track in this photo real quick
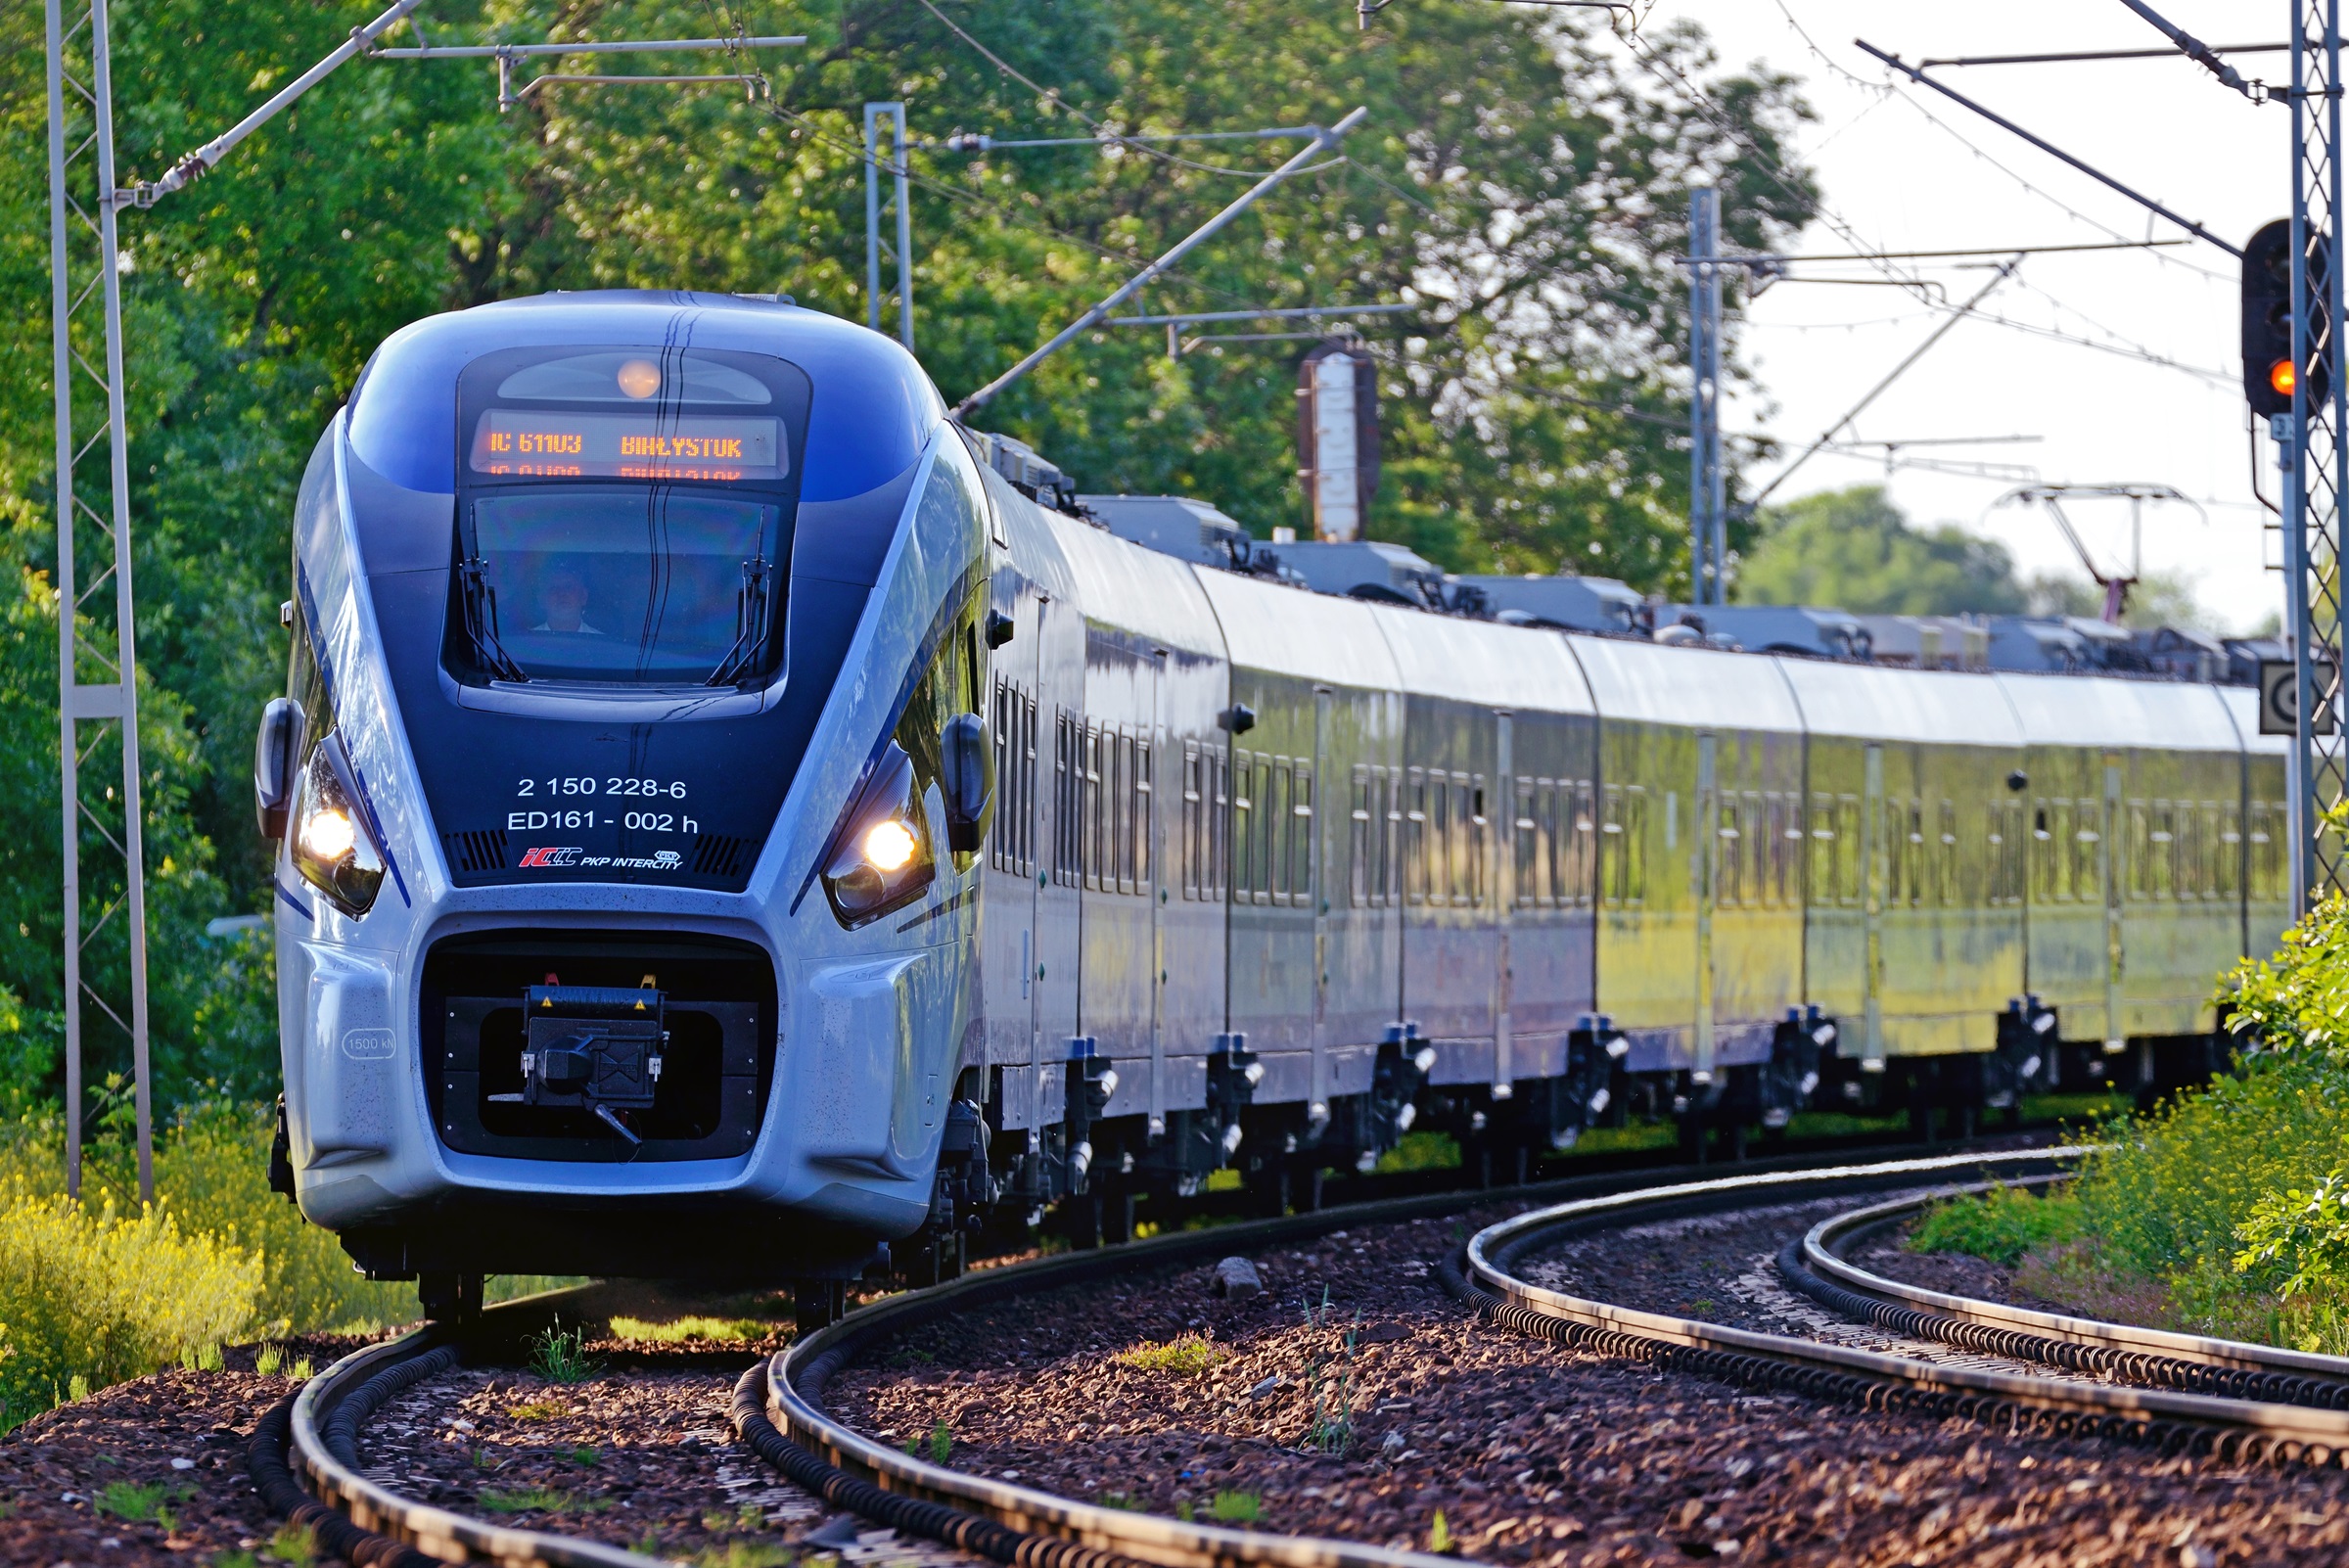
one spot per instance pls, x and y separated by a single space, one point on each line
2174 1391
779 1409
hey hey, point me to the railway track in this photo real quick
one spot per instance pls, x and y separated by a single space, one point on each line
2174 1391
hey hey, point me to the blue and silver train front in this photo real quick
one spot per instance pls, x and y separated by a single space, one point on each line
625 902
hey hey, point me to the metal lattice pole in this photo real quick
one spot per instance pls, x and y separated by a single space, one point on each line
1707 487
83 252
895 115
2318 461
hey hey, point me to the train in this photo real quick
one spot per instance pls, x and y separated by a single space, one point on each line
732 817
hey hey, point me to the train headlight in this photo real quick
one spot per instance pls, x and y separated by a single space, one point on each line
883 861
889 846
332 845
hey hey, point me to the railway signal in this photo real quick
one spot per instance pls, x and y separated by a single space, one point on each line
2271 374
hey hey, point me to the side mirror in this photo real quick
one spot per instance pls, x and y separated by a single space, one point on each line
968 781
274 751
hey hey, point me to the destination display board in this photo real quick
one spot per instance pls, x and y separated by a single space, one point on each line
537 444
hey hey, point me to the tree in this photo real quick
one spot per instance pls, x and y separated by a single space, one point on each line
1854 550
1524 188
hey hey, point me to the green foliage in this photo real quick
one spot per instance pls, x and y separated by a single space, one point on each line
78 1294
1186 1355
2298 1241
141 1503
1235 1507
1439 1536
211 1172
1422 1151
1329 1382
1519 183
527 1499
1853 549
692 1330
295 1544
942 1442
562 1357
735 1553
2001 1224
2228 1202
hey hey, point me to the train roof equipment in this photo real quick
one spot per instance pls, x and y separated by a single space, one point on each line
1569 602
1806 630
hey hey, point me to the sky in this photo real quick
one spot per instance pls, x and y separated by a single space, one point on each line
1903 168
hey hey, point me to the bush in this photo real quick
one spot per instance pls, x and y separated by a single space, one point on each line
2229 1201
2002 1224
211 1174
86 1291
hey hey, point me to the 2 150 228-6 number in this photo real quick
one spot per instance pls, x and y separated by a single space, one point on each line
529 789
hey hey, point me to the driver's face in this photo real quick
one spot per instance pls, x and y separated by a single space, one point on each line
566 599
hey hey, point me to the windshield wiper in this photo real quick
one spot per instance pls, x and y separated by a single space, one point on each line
752 616
480 621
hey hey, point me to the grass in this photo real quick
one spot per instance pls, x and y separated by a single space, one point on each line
1187 1356
535 1411
537 1500
1235 1507
1439 1536
147 1502
741 1554
562 1357
2003 1224
1123 1501
76 1278
295 1544
693 1330
1421 1151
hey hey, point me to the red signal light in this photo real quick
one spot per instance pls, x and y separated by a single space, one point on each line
2283 375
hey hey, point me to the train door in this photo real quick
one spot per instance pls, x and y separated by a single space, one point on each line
1151 877
1016 857
1502 880
1058 910
1704 865
1876 860
2110 872
1318 882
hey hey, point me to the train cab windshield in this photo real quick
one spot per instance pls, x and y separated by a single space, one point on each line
623 517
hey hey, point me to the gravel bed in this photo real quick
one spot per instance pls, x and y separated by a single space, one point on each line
1952 1273
1532 1454
151 1471
638 1453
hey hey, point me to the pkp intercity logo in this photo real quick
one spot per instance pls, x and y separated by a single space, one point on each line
568 855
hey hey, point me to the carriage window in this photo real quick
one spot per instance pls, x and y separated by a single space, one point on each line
1476 837
1582 878
1301 835
1390 813
1067 851
2228 852
1243 822
1279 830
2268 818
1415 836
1529 826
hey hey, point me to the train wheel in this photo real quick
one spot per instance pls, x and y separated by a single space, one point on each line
1080 1212
1268 1190
818 1303
450 1298
1304 1187
1117 1214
